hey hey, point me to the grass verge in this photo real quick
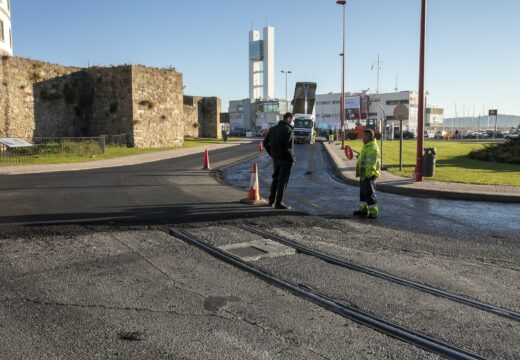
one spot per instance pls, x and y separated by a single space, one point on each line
453 162
110 153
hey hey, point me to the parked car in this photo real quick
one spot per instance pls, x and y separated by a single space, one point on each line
513 135
407 135
495 134
441 134
429 135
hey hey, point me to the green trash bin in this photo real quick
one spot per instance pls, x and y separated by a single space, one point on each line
428 162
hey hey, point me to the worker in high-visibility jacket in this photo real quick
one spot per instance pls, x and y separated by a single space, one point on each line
368 169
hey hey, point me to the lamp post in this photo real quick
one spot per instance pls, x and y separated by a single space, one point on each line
421 108
286 72
342 104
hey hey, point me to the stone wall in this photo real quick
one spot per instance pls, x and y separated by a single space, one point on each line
210 123
21 84
45 100
191 109
202 116
158 118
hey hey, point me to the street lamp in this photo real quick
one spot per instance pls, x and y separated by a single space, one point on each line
286 72
421 108
342 105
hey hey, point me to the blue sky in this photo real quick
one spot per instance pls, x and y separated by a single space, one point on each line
473 45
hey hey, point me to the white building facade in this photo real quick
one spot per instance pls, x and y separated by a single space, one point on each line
363 106
6 36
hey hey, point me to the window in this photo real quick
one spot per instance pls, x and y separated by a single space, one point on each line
397 102
2 34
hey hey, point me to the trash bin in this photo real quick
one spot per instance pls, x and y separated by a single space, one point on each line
428 162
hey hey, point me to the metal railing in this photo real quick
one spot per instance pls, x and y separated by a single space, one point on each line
60 147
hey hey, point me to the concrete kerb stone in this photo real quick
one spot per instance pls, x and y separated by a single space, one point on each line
115 162
407 187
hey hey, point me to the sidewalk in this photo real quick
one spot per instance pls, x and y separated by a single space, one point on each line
115 162
346 169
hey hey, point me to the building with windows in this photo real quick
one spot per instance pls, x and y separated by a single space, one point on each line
363 106
256 115
434 117
6 36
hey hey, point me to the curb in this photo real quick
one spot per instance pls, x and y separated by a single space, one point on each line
427 193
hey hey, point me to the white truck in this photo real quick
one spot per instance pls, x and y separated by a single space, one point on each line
303 107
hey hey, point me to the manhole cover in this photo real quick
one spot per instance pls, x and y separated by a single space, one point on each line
255 250
248 251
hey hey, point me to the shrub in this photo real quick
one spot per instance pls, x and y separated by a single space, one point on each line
508 152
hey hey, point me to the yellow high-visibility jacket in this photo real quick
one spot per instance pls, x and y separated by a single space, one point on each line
368 163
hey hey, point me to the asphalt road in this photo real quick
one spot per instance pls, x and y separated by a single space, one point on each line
314 188
169 191
103 279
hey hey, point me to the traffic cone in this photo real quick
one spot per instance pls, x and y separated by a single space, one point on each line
206 160
260 147
253 193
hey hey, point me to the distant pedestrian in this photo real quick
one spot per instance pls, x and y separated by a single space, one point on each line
368 169
224 135
331 136
456 133
279 144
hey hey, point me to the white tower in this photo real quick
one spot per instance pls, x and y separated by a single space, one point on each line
6 37
261 51
255 57
269 62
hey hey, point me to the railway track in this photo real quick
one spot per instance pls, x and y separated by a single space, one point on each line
393 330
510 314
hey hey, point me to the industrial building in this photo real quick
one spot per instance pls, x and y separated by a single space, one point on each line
365 106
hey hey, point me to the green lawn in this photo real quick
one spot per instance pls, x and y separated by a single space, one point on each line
453 162
110 152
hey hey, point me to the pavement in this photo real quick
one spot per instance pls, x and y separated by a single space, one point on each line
116 162
391 183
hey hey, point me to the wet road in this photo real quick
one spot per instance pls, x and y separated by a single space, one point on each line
314 188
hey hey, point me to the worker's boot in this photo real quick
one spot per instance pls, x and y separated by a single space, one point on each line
373 211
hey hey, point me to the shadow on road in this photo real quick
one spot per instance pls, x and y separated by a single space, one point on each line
152 215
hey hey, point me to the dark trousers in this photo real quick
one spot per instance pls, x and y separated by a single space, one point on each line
367 193
281 174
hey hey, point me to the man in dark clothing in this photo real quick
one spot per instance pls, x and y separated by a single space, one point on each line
279 145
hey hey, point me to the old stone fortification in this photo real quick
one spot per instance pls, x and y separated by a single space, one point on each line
38 99
202 116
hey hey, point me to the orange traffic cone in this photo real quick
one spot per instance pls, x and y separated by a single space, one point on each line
253 193
260 147
206 160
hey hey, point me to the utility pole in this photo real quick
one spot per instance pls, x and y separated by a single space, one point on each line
342 105
421 109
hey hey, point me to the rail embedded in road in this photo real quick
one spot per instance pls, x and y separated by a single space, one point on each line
510 314
393 330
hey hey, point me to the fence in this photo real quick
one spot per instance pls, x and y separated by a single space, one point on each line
50 148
